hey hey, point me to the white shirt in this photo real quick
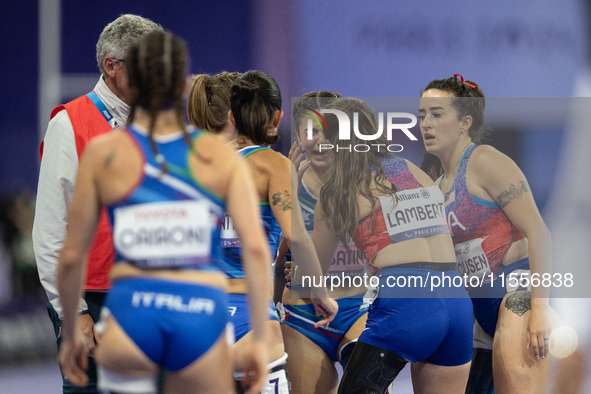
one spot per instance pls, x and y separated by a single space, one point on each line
57 176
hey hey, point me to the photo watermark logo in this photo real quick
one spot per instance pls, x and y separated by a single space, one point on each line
345 130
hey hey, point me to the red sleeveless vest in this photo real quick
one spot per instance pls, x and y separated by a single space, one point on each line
88 122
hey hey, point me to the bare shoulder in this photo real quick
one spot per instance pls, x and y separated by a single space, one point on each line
490 162
273 162
102 145
273 157
420 175
487 156
497 174
214 150
214 163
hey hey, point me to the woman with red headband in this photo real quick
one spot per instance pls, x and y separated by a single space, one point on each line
497 232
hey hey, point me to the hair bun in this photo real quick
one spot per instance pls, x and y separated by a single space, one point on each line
245 89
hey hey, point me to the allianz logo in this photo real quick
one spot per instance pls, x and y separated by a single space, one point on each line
411 196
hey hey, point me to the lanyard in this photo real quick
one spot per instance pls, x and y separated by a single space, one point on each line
103 109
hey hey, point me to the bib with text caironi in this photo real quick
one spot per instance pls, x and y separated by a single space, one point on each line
419 213
169 234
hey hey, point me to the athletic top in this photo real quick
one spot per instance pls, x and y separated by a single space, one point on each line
232 256
481 231
168 221
344 262
417 212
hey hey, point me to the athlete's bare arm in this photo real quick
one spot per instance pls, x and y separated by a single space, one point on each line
506 184
243 208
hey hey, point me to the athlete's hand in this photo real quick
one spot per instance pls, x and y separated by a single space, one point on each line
297 154
73 359
255 368
539 328
86 325
325 307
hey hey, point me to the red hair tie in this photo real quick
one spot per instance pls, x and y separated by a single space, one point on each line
465 83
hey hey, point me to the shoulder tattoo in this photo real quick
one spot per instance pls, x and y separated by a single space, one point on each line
515 191
519 302
283 199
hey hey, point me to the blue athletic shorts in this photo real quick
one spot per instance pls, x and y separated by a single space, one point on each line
240 314
420 323
303 317
488 298
173 323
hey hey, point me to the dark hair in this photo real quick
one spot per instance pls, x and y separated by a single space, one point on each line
474 107
209 100
314 100
254 100
156 72
352 173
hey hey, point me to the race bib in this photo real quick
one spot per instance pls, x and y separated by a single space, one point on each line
349 262
229 235
472 260
164 234
418 213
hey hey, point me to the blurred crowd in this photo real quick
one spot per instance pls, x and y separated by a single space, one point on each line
19 280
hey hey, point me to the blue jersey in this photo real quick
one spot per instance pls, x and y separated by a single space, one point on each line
168 221
232 257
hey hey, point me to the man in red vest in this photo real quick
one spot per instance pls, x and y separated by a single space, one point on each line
70 129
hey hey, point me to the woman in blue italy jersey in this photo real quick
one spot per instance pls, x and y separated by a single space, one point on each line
166 187
255 113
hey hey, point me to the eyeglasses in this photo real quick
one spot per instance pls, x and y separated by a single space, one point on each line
118 60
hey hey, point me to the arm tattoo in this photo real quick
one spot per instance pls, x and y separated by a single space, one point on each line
282 199
519 302
515 191
109 158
